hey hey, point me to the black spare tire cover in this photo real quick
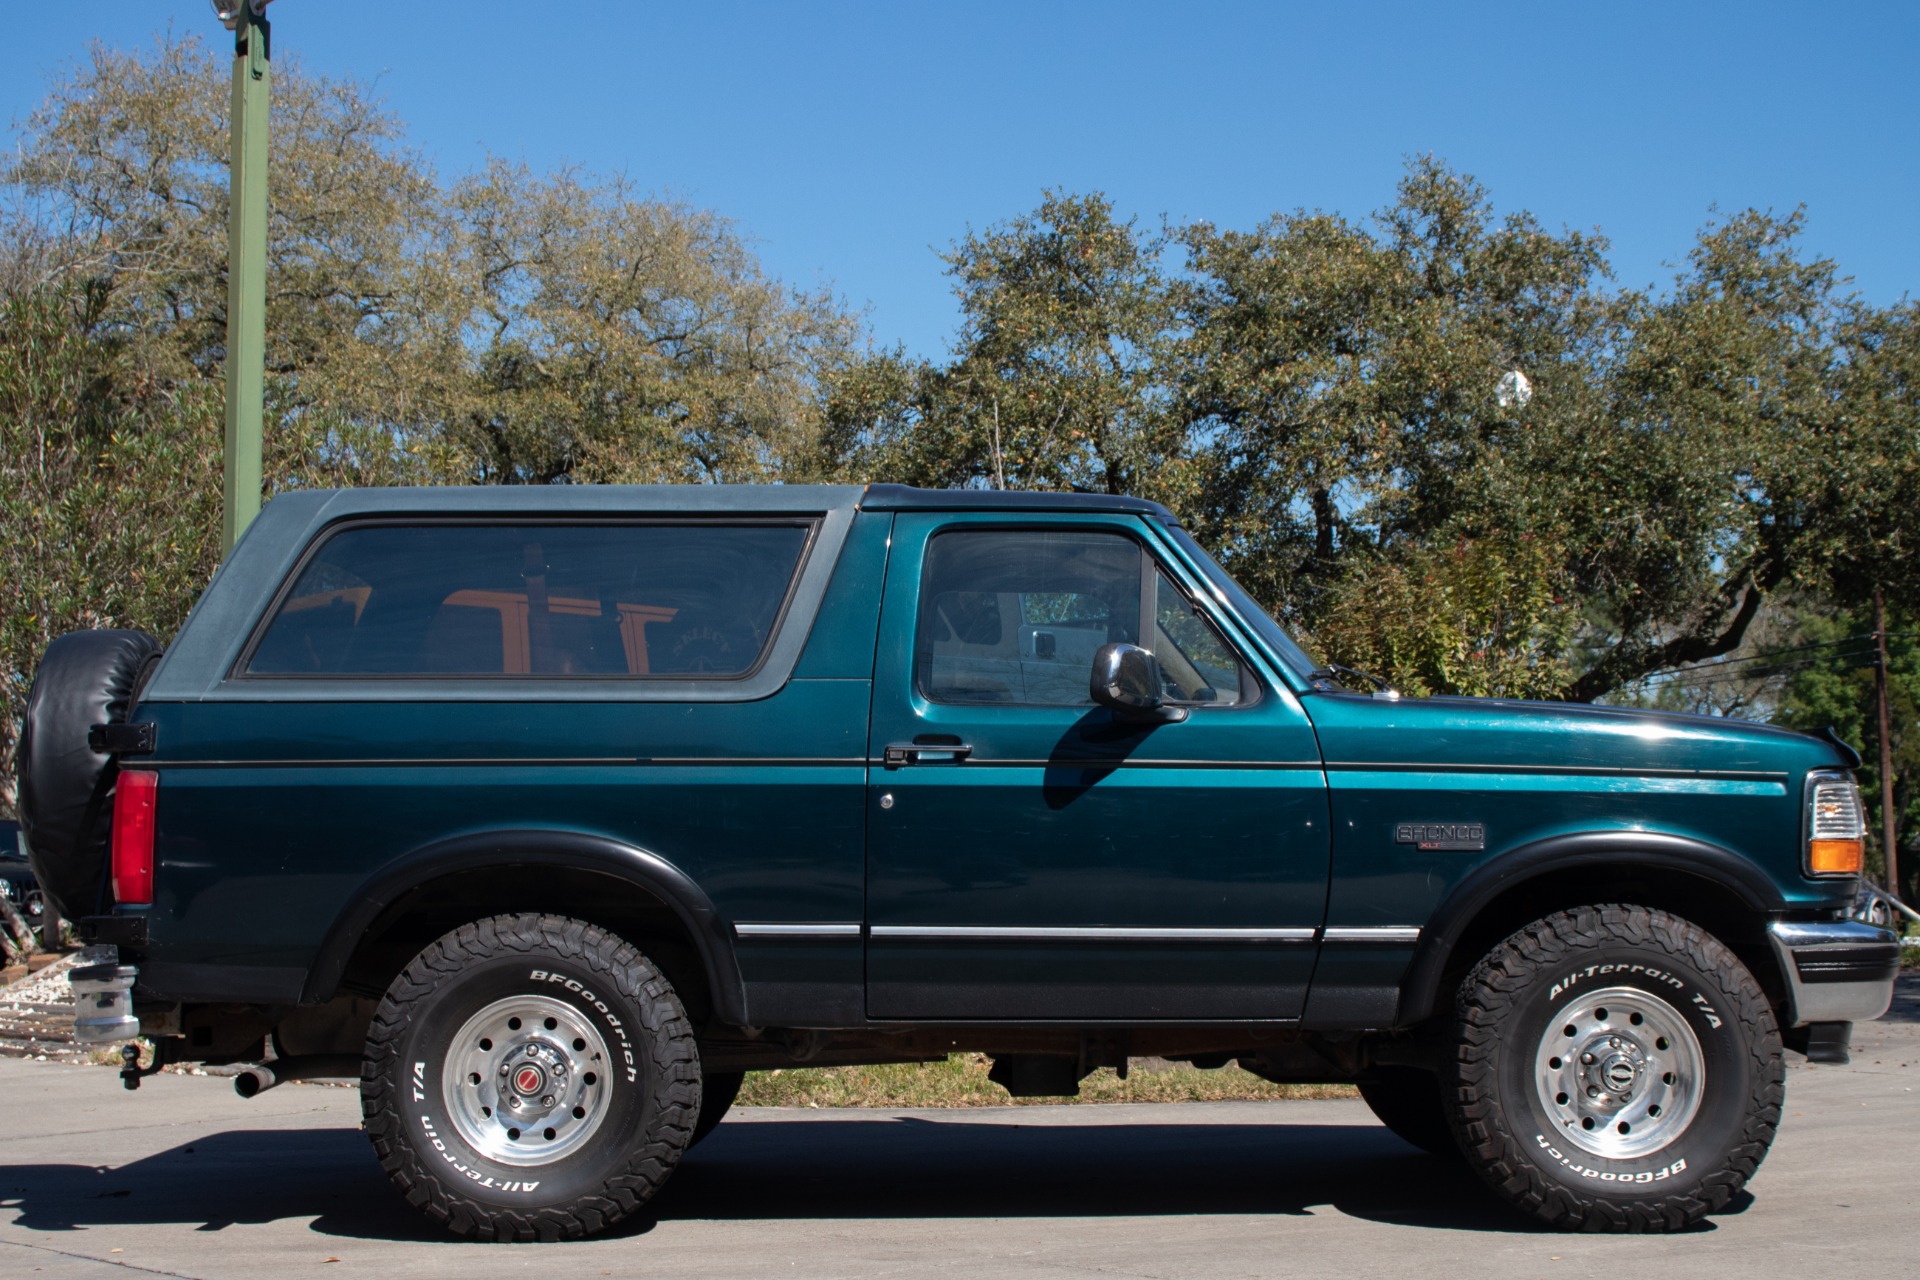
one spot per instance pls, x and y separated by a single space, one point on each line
66 788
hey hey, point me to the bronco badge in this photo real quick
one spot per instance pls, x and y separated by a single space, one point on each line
1461 836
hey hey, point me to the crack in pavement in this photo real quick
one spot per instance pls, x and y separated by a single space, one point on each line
105 1262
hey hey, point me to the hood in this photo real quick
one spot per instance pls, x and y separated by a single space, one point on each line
1532 736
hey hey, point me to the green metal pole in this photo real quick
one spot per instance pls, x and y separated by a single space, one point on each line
246 274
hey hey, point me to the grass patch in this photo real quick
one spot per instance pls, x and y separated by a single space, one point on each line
961 1081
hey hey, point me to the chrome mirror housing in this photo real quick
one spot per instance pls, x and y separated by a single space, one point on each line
1126 680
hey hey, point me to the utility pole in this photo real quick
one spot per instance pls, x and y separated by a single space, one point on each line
246 262
1886 743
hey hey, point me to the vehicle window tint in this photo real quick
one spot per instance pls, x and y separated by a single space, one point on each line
1196 663
1015 615
610 600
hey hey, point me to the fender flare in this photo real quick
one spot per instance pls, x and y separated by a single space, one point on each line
1614 850
712 934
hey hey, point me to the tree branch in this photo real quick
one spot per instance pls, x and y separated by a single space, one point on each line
1629 662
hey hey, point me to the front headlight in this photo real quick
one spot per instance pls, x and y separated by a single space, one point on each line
1836 826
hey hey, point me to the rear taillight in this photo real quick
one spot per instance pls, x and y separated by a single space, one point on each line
134 795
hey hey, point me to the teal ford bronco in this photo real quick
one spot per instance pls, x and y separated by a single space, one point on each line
547 813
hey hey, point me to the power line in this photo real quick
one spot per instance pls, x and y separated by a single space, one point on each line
1703 677
1770 658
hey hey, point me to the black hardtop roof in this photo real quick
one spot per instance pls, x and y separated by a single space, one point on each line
327 505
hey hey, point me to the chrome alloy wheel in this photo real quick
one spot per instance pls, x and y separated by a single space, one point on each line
1619 1073
527 1080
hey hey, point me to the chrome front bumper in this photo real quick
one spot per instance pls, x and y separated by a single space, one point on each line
1838 971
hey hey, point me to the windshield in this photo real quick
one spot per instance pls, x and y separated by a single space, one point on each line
1265 627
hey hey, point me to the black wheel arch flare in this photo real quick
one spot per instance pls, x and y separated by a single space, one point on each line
710 932
1605 853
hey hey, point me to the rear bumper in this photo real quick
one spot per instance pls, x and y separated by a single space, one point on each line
1838 971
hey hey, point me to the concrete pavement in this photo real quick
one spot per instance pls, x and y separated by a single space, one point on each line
185 1179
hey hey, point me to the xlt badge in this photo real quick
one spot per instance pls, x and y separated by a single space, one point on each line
1461 836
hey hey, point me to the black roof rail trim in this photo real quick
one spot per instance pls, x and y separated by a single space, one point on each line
901 497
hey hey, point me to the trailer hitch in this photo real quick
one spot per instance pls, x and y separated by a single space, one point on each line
164 1054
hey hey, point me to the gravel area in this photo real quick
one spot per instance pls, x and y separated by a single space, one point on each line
36 1016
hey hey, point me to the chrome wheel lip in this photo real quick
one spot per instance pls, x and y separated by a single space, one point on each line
507 1086
1628 1082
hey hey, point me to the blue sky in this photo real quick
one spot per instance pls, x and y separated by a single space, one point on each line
850 142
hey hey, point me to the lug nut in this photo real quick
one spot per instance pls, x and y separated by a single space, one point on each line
1593 1091
1587 1058
547 1101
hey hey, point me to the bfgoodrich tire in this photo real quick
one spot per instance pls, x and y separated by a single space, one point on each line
530 1078
1618 1069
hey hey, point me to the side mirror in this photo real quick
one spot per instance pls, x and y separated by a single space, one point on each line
1126 680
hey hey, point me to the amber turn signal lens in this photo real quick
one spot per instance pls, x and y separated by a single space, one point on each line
1837 857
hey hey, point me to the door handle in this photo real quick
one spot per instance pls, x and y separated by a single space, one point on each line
899 754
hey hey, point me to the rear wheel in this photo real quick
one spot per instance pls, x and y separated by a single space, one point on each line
530 1077
1408 1102
1618 1069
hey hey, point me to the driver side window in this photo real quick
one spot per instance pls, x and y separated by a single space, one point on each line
1015 616
1196 664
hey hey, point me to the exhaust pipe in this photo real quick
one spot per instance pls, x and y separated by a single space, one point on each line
255 1080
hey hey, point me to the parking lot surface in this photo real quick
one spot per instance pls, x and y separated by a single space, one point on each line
185 1179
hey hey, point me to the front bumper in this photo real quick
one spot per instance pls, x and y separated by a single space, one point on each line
1836 971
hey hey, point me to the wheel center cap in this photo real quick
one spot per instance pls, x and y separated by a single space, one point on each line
1618 1073
528 1080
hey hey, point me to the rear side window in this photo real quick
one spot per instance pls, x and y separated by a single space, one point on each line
535 600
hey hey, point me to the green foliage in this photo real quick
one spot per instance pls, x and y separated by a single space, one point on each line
615 338
519 327
1054 382
120 184
110 488
1483 617
109 498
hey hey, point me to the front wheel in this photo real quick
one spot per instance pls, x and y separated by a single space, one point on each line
1618 1069
530 1077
